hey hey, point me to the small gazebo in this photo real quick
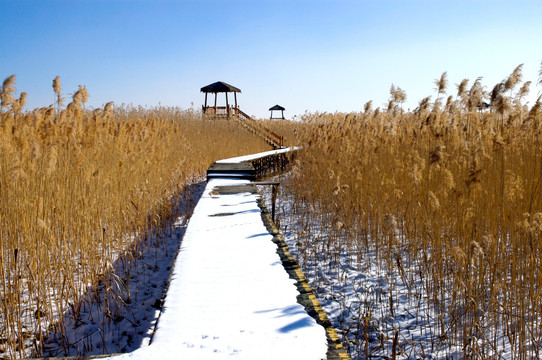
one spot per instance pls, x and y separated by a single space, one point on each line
277 108
220 111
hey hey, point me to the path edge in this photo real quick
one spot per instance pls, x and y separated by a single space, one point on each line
306 297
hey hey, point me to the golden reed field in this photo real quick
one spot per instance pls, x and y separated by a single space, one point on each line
447 197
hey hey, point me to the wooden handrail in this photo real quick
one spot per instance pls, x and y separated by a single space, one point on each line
275 138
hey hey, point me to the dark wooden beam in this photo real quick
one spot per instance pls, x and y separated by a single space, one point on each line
227 106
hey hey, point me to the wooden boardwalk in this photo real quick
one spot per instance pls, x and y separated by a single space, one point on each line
236 291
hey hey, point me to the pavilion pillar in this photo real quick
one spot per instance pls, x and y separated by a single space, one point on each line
215 102
227 106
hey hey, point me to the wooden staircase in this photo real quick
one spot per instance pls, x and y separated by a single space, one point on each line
233 112
274 140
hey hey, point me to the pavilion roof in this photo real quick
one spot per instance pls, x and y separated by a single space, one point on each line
277 107
219 86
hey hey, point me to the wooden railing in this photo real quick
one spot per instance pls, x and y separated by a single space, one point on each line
271 164
218 111
272 138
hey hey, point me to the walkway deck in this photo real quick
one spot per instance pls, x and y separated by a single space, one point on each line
233 291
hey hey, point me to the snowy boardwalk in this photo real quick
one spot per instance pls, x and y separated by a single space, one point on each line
231 295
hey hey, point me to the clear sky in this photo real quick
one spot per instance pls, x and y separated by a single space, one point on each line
332 55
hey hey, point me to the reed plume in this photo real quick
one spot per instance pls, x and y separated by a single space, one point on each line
476 94
524 90
398 95
462 88
514 78
57 88
424 103
496 91
368 107
441 84
8 88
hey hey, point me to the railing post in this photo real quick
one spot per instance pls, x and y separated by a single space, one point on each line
275 190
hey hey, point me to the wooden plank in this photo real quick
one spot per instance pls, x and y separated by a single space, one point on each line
243 170
232 167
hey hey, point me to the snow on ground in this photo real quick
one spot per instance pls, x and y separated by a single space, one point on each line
250 157
372 307
229 294
119 314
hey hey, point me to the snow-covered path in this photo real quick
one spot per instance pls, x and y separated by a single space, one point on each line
230 295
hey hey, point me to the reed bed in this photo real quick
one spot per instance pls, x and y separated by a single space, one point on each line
78 188
444 205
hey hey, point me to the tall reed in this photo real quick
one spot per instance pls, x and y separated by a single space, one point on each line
447 199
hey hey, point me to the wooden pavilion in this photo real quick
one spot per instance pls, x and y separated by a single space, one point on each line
277 108
230 112
220 111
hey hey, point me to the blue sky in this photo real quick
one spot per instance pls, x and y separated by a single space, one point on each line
304 55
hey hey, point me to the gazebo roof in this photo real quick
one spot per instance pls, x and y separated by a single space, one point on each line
277 107
219 86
